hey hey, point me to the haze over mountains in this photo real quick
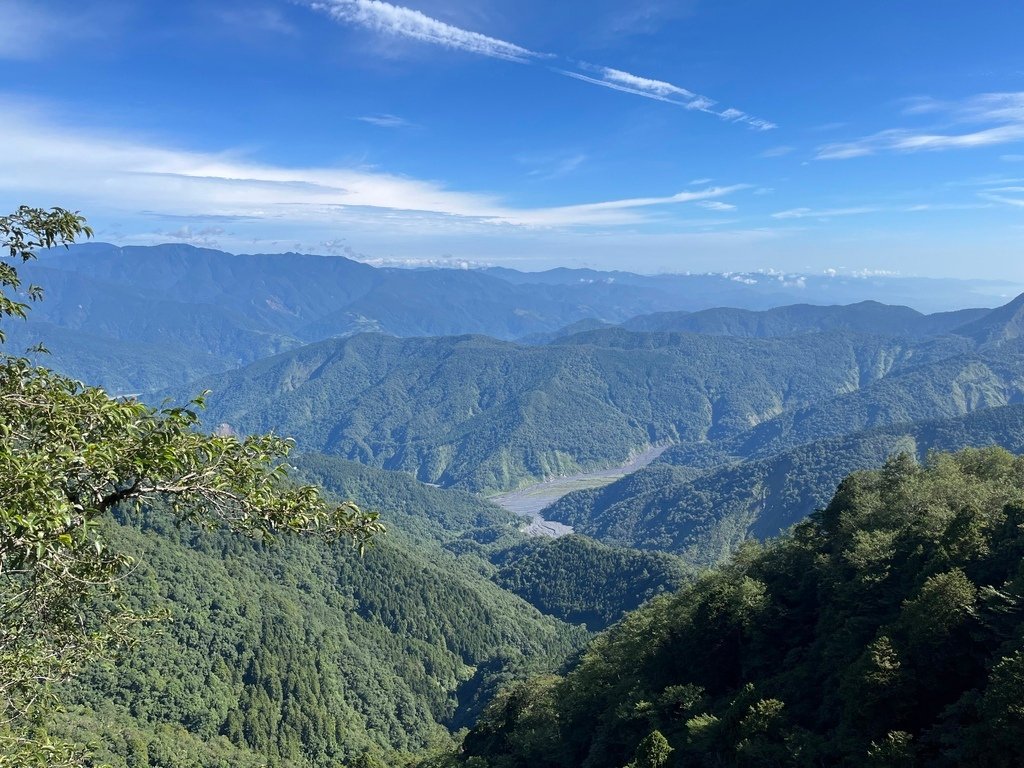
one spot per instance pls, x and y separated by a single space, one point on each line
199 311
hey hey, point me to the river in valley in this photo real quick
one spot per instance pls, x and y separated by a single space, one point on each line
530 501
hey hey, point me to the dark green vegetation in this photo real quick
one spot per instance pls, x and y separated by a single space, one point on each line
189 311
303 654
886 630
575 579
704 515
584 581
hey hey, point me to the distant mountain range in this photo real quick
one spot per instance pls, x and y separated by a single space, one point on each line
205 310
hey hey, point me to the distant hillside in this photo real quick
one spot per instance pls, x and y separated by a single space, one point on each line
234 309
863 317
488 415
1002 324
705 517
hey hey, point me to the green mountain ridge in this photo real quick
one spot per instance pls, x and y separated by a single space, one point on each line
239 308
862 317
482 414
705 515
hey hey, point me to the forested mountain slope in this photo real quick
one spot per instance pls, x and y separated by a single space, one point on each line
481 414
705 517
572 578
485 415
304 653
886 630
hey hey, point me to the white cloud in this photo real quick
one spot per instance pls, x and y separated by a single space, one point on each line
998 118
551 165
385 121
669 93
49 163
805 213
716 205
205 237
624 88
777 151
396 20
406 22
1016 202
644 84
827 213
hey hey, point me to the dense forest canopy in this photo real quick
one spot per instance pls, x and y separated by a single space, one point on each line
885 630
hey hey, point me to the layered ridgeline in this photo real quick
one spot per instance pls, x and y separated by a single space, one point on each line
488 415
189 311
886 630
704 514
298 654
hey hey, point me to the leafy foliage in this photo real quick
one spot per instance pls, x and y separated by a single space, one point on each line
68 455
21 233
885 630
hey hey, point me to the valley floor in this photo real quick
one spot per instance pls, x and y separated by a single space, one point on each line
530 501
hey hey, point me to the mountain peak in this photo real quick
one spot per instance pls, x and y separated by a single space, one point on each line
1003 323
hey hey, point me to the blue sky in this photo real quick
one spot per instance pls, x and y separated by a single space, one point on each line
647 135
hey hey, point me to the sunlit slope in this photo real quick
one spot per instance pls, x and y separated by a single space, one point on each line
482 414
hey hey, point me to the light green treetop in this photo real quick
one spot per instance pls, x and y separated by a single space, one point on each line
68 454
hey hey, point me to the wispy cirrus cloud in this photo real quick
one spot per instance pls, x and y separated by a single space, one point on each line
43 160
406 22
551 165
386 18
778 151
828 213
985 120
716 205
385 121
1016 202
823 213
658 90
